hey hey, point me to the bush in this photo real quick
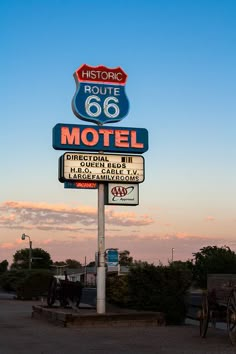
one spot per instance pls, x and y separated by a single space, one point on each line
35 285
27 284
117 290
153 288
10 280
3 266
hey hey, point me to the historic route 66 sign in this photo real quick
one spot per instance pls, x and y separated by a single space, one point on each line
100 94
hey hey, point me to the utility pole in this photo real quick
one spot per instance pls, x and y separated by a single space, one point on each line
30 254
30 249
172 255
85 272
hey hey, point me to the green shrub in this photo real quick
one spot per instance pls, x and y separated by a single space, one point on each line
117 290
27 284
34 286
161 288
152 288
10 280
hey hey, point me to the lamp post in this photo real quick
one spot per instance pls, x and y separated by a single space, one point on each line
30 248
172 255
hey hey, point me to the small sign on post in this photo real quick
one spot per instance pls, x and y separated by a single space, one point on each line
112 257
122 194
80 185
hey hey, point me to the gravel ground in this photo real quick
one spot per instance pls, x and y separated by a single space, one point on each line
20 334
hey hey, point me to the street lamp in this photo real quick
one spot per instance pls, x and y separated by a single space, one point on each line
30 248
172 254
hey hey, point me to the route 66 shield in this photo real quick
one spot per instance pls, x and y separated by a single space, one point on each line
100 94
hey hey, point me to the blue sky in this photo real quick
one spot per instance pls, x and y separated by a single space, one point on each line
180 59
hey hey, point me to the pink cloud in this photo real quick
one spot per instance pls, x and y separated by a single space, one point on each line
152 247
127 219
47 242
13 205
183 235
210 218
7 245
60 217
7 218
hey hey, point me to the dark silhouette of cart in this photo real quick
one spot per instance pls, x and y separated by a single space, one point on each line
67 292
219 304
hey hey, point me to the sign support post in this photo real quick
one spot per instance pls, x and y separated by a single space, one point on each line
101 269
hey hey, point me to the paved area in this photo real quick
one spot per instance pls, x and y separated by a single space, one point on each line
20 334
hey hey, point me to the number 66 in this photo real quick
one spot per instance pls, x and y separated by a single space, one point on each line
92 101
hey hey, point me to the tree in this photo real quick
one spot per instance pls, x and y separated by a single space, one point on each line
40 259
59 264
3 266
125 259
213 259
72 263
186 265
68 263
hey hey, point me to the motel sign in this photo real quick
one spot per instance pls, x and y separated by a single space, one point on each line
100 98
100 138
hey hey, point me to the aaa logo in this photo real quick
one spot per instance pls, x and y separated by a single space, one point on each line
120 191
100 94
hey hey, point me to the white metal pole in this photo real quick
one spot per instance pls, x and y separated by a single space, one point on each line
101 269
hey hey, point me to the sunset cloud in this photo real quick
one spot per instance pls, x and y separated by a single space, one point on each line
127 219
152 247
61 217
7 245
210 218
71 232
183 235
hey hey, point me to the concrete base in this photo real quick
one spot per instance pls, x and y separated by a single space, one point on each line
89 318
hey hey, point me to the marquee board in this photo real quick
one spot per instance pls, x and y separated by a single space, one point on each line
101 168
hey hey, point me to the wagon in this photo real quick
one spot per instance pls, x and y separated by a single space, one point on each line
65 291
219 304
